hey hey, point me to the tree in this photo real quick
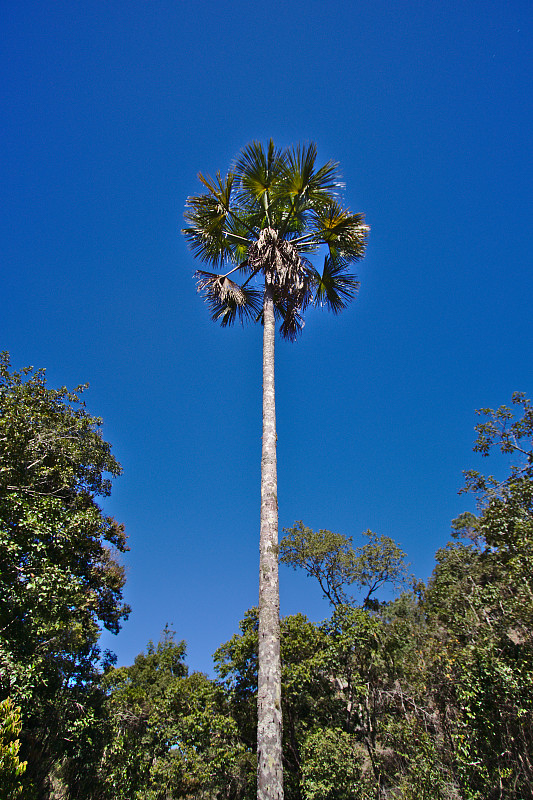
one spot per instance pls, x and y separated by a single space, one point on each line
331 559
307 692
60 580
262 221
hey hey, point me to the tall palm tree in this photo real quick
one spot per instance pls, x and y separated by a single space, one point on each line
258 227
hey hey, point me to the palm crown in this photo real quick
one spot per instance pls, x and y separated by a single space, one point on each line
261 224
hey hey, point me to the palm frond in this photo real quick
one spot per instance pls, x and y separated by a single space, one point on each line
290 313
334 288
303 181
345 233
238 238
306 243
208 216
257 171
219 188
226 299
218 229
299 167
307 188
328 179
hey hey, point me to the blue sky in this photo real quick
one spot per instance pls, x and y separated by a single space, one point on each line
110 111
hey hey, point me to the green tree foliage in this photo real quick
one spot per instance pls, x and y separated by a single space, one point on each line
480 605
306 690
11 768
336 565
438 684
59 577
171 735
424 697
512 435
331 765
355 707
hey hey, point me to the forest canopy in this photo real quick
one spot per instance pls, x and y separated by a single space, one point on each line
426 695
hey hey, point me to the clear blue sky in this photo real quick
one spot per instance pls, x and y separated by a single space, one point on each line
110 110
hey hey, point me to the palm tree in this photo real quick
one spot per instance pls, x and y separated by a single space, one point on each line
258 227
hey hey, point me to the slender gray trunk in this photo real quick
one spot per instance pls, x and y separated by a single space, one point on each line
269 764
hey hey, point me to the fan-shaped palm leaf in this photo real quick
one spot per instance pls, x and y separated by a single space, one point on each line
290 310
206 233
303 182
334 288
228 300
257 172
343 232
305 187
217 232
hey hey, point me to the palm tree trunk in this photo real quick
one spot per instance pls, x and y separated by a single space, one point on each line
269 764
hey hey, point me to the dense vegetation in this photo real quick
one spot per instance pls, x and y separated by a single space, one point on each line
429 695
